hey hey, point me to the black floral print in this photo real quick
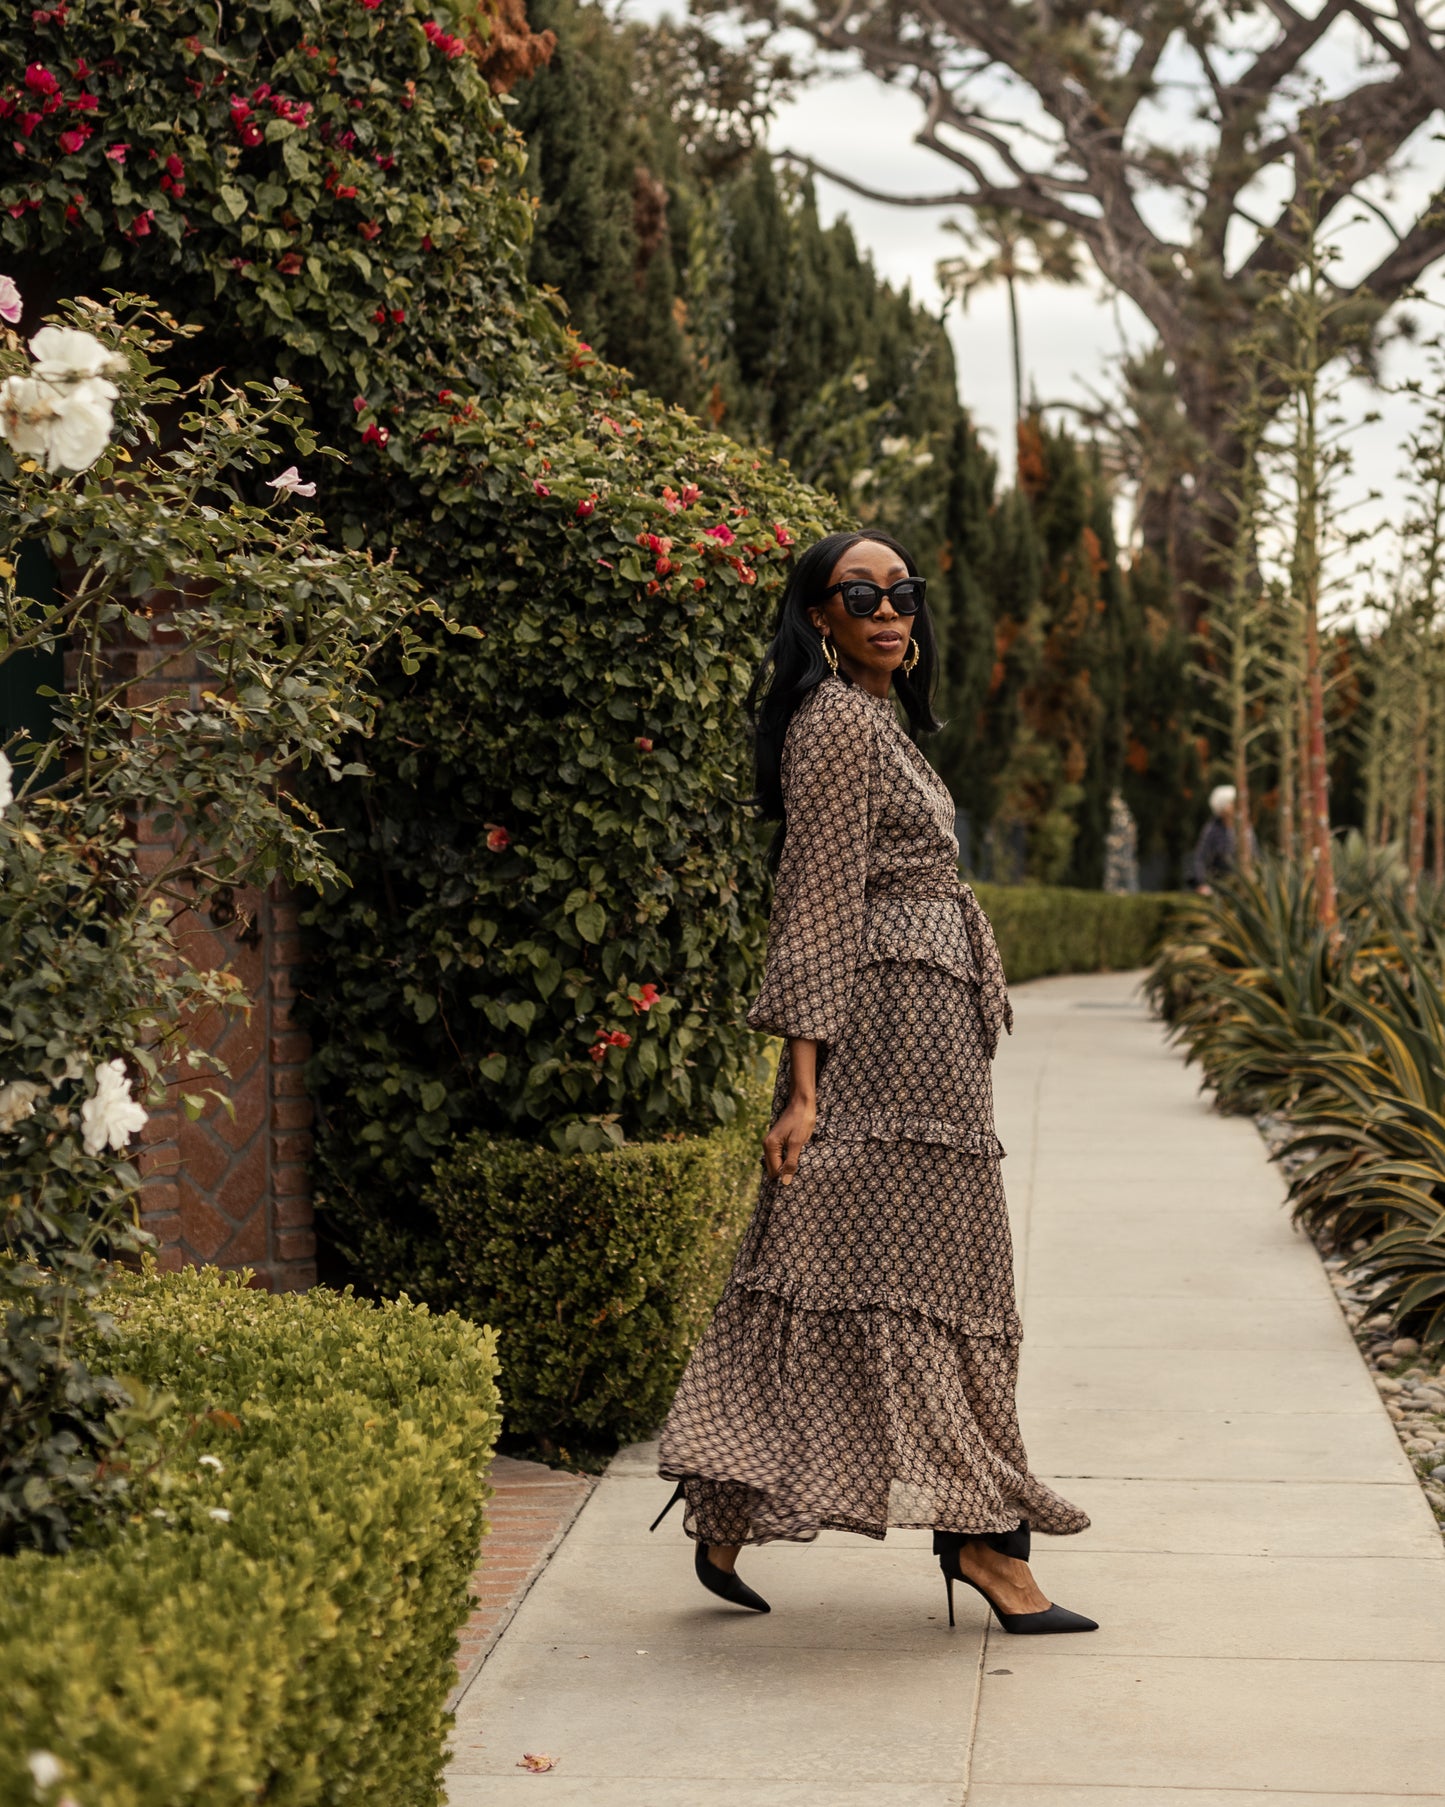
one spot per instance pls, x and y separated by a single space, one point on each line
860 1369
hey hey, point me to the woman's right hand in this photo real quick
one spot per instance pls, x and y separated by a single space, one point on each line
789 1136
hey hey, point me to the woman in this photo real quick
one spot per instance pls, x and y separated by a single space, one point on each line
859 1371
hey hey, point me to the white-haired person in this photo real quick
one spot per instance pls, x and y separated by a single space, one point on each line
1216 852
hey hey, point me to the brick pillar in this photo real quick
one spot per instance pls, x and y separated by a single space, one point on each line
232 1187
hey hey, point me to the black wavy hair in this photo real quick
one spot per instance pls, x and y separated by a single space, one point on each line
793 665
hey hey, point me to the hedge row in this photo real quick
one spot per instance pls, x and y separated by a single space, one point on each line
598 1270
277 1621
1044 929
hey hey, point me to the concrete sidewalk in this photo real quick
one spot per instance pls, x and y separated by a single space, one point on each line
1269 1579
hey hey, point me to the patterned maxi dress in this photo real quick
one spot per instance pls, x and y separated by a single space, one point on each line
859 1370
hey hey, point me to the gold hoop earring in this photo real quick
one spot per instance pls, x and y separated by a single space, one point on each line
912 658
830 653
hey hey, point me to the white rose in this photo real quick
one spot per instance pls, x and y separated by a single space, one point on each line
27 410
45 1768
82 430
63 353
17 1101
112 1116
7 787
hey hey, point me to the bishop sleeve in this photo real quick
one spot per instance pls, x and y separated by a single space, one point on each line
815 935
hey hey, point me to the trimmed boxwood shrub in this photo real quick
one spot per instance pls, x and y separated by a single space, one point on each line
277 1620
1044 929
599 1270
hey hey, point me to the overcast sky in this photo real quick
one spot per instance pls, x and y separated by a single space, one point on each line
865 129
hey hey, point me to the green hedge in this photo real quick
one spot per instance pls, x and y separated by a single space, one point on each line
598 1270
1050 929
299 1650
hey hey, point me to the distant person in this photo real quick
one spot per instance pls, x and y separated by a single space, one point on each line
859 1371
1216 852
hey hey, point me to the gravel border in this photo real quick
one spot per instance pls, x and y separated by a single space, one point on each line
1410 1384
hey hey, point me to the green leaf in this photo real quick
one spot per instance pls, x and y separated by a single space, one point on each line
591 921
433 1095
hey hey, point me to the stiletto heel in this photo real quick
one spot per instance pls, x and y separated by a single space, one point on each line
722 1582
946 1547
677 1494
726 1584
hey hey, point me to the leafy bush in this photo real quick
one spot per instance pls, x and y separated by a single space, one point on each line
1342 1034
216 644
598 1270
279 1622
551 837
1045 929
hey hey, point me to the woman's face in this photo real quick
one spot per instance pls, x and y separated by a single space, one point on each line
868 646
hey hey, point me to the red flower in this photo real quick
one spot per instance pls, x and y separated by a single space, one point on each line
369 229
665 567
74 139
782 536
241 263
426 243
39 80
72 211
539 488
653 586
608 1038
380 316
193 44
587 506
371 5
175 169
116 152
398 314
690 493
251 135
445 395
699 583
650 994
29 122
358 402
375 435
82 69
240 109
723 534
345 192
83 103
385 160
671 501
643 744
498 840
140 226
290 264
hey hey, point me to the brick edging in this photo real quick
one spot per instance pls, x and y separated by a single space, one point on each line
531 1510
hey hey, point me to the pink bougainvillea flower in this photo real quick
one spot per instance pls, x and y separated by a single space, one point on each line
690 494
289 483
539 488
643 744
369 229
426 243
175 169
358 402
385 160
379 317
650 993
11 306
345 191
39 80
375 435
398 314
371 5
722 533
587 506
699 583
117 152
74 140
290 264
29 121
141 225
671 501
83 103
782 536
498 840
611 425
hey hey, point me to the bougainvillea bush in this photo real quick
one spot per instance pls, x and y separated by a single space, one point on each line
554 914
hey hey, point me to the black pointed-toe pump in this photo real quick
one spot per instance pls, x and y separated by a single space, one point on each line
723 1582
946 1547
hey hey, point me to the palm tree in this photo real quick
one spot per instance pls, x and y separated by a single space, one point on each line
1010 248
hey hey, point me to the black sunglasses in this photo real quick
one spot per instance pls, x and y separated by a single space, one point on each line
862 598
